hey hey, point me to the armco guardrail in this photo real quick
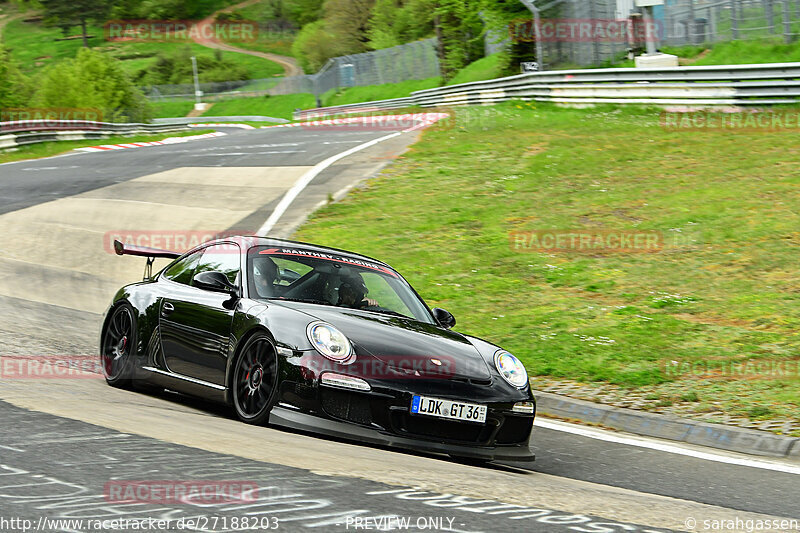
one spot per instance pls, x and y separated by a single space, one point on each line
236 118
719 85
20 133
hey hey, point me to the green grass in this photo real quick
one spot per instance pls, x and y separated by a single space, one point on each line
256 67
33 46
488 68
354 95
280 106
741 52
172 108
37 151
727 291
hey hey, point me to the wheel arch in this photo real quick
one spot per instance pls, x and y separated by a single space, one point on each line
240 344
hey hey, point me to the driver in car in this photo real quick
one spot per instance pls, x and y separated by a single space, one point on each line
265 272
352 292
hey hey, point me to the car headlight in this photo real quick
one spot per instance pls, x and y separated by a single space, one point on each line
330 342
510 368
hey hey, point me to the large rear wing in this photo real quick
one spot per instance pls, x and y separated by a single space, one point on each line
144 251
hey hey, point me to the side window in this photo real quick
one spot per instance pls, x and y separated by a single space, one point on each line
221 258
183 270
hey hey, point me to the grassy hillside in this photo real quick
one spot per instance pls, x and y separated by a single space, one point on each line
724 291
170 109
34 47
354 95
280 106
739 52
483 69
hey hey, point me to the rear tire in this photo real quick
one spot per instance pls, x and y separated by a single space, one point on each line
255 380
118 346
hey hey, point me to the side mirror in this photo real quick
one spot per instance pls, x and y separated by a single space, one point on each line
215 281
444 318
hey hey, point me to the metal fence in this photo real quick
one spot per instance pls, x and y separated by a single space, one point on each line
412 61
709 21
679 22
582 52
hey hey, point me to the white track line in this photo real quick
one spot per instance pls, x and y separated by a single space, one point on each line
306 178
641 442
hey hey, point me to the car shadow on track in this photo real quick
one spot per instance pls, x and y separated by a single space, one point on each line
224 411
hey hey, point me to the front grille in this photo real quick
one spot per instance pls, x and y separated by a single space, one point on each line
446 430
515 430
345 405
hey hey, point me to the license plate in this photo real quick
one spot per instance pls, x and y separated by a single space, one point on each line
469 412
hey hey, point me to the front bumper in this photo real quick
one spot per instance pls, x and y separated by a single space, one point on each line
381 416
291 418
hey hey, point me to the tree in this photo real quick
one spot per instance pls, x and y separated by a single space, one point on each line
314 45
302 12
92 80
348 20
67 13
396 22
459 30
14 86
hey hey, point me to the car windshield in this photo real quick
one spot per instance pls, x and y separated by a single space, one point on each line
296 274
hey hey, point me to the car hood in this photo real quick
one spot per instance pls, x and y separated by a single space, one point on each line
402 342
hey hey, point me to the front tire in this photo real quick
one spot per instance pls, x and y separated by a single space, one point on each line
255 380
118 347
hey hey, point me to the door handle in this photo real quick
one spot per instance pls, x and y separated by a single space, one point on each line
167 309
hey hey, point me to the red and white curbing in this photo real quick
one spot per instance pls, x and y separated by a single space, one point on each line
406 122
169 140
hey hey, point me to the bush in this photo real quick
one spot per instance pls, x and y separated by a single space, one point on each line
95 81
314 45
13 84
176 67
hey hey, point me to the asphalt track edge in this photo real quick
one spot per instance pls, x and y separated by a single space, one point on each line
734 439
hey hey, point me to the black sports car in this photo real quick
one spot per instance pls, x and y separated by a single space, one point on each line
316 339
